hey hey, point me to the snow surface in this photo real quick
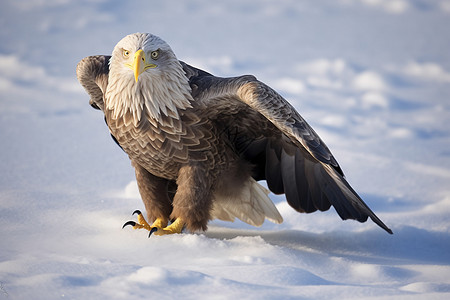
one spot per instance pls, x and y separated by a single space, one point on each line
371 76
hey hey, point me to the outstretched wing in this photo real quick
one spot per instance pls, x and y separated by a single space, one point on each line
92 73
287 152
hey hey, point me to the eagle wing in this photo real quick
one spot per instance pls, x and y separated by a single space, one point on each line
92 73
285 150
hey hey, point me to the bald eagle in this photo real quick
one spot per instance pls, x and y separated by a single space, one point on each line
199 143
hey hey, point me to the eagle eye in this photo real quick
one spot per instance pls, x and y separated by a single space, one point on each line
155 54
125 53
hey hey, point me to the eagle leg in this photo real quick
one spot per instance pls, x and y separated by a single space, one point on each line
142 223
176 227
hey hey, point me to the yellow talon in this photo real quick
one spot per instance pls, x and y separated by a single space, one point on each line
159 227
142 223
175 227
160 223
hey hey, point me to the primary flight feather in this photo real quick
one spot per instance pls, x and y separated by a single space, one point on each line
199 143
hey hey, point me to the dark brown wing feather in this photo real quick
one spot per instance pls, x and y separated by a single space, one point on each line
92 73
286 151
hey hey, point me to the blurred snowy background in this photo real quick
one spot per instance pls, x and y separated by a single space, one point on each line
371 76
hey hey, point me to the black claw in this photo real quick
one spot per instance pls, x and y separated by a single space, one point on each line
137 211
152 230
132 223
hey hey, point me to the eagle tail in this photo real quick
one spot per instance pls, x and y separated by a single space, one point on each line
252 205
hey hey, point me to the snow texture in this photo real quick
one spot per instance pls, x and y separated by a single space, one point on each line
371 76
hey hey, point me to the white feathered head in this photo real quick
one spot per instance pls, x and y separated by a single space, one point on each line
146 79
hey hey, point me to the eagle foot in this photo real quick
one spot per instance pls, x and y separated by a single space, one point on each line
159 223
176 227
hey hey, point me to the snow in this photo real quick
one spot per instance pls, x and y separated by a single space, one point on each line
371 77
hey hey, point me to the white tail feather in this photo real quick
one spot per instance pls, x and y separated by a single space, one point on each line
251 206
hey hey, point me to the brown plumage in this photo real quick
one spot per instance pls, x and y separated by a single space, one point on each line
199 143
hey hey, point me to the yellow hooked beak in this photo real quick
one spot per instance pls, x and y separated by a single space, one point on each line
140 64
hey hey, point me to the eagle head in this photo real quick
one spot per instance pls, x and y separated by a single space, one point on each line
146 80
